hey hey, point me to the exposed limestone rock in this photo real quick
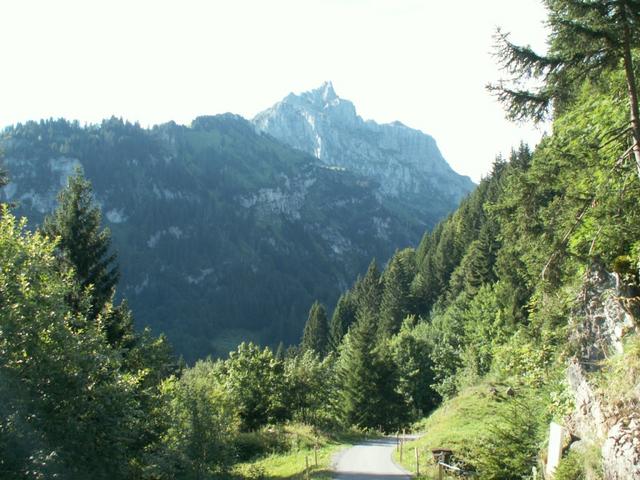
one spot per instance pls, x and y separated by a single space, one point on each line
116 216
601 323
287 199
621 449
605 319
405 163
588 420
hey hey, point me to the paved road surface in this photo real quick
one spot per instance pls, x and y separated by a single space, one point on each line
369 461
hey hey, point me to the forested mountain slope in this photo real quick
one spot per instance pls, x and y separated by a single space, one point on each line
524 302
223 234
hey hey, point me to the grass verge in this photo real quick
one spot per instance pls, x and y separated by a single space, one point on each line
302 451
455 425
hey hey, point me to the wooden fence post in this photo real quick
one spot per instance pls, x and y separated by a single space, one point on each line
440 468
306 467
315 454
417 462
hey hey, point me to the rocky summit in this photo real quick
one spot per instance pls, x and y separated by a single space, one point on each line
407 165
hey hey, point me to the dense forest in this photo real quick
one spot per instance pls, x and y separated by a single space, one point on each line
497 295
223 233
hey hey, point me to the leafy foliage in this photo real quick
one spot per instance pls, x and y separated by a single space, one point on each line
201 419
64 396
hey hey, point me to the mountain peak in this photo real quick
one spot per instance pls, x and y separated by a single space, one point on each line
320 96
406 162
328 93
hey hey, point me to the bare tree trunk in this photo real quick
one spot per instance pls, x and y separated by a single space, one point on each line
633 95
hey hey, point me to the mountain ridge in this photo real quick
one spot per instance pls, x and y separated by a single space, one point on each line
225 233
406 162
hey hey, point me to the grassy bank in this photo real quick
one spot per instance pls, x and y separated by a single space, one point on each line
456 425
292 446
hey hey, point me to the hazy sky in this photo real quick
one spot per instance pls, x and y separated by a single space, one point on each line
424 63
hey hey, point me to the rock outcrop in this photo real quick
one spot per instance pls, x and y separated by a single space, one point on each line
406 163
600 418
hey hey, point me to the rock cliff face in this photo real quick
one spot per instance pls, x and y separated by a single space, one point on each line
600 418
406 163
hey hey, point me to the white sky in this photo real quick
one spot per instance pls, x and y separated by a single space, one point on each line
422 62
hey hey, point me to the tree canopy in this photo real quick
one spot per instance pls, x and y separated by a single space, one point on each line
587 38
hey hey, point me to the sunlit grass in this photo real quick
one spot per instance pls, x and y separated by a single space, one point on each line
294 463
454 426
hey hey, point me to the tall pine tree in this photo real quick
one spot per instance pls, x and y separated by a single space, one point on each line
396 296
316 331
368 379
82 242
343 317
367 291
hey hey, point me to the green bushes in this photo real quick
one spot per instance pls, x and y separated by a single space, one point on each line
249 445
509 448
571 467
201 421
68 406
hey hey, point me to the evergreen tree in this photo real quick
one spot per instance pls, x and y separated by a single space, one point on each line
118 326
368 379
367 291
316 335
586 39
83 243
396 296
343 317
476 267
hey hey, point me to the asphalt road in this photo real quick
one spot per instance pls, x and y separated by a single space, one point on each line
370 460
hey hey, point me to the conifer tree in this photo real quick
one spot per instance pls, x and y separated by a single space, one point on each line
82 242
316 335
482 260
368 379
587 38
396 297
343 317
367 291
